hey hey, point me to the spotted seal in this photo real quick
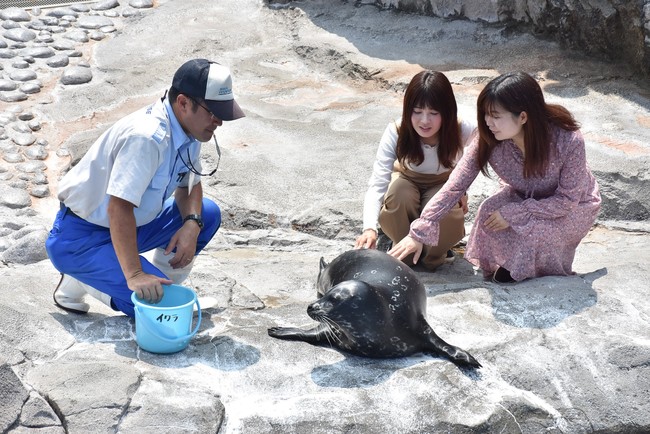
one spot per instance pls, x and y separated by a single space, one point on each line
372 305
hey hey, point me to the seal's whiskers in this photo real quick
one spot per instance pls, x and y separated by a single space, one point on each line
331 330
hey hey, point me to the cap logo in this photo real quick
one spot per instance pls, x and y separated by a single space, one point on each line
211 81
219 84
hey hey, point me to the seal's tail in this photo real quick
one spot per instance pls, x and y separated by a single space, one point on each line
457 355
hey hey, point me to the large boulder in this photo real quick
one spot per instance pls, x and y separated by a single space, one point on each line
585 25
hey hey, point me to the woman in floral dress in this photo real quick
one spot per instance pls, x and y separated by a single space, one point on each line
548 199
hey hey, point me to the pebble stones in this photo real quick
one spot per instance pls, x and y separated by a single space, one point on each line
24 152
94 22
40 191
13 157
14 198
6 85
19 34
22 75
30 88
36 153
58 61
7 53
15 14
141 4
36 45
62 12
77 35
22 138
76 75
54 35
37 52
20 64
13 96
63 45
105 5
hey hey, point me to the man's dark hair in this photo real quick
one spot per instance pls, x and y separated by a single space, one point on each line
172 94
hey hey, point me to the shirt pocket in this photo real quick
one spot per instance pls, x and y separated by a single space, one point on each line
153 199
159 181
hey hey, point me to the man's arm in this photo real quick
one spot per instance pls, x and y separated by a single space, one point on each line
124 237
184 240
189 203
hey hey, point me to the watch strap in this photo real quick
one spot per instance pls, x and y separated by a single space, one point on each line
197 218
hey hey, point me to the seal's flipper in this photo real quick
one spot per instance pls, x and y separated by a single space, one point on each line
436 345
316 336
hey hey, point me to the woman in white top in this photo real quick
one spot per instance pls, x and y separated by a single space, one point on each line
415 157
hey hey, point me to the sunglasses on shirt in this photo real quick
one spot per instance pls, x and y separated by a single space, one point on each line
193 169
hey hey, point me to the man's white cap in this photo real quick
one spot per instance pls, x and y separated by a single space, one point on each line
201 78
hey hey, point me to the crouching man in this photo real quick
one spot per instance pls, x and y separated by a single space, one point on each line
137 189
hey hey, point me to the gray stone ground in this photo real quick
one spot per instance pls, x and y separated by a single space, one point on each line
319 82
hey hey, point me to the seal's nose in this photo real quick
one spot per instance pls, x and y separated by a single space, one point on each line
315 310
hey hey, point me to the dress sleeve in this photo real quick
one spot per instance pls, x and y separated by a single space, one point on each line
426 229
573 177
380 178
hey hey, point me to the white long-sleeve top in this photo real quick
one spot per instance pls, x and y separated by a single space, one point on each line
383 168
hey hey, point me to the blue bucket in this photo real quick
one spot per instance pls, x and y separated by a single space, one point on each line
166 327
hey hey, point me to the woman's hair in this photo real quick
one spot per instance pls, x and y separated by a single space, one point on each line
518 92
429 89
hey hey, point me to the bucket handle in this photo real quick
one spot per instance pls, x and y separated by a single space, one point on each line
150 327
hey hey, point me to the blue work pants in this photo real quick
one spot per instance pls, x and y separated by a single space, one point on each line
84 250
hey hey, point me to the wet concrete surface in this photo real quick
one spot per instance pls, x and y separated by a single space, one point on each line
319 82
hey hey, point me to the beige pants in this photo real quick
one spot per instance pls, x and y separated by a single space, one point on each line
407 195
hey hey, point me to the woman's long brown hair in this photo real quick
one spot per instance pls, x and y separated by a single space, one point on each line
429 89
518 92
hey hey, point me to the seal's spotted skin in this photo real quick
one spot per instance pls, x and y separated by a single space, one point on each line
372 305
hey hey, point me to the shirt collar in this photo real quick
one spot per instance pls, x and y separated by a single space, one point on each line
179 137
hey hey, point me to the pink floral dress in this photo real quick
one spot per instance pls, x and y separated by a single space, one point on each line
548 216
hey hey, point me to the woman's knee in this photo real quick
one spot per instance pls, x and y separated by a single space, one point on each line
402 195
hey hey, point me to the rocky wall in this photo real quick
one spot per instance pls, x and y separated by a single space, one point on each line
617 30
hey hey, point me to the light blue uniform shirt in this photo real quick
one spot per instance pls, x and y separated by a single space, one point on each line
138 159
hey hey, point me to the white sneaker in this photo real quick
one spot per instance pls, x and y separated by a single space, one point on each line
207 303
176 275
69 295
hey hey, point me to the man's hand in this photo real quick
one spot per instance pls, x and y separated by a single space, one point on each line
124 236
148 287
184 241
367 240
405 247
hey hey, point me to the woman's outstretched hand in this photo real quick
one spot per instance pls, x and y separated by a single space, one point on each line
405 247
367 240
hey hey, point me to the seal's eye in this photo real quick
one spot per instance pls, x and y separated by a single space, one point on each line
340 293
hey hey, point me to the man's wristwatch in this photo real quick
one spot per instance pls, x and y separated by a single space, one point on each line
197 218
